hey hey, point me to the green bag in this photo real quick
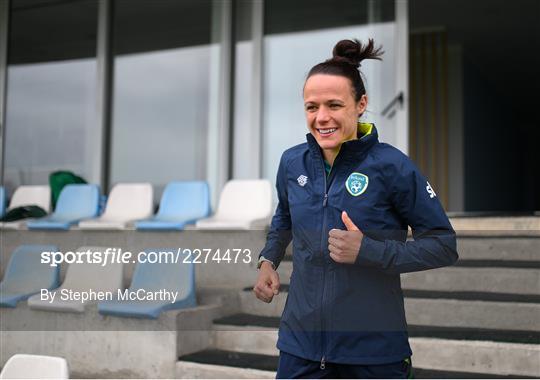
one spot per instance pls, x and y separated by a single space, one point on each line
58 180
23 212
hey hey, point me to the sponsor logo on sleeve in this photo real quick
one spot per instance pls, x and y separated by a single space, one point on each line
430 190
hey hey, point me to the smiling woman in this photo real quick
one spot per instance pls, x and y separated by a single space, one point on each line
346 200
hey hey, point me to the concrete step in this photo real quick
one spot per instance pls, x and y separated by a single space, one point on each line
214 364
513 248
517 225
439 349
497 247
257 322
477 357
455 278
485 263
495 280
486 310
469 314
230 364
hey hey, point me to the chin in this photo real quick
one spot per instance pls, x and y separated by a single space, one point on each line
325 144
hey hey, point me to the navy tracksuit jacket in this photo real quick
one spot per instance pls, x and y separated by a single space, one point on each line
353 313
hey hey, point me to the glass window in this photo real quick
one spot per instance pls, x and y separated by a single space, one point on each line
163 61
51 90
245 133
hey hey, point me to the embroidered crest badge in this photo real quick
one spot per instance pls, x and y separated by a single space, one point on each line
357 184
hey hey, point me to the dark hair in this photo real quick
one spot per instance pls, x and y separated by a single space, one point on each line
347 56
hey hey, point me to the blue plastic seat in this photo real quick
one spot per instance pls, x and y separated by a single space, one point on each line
75 202
26 275
181 203
2 201
154 277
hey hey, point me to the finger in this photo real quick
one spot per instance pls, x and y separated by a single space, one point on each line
267 291
335 242
334 250
259 295
348 222
336 258
275 287
335 233
263 298
264 293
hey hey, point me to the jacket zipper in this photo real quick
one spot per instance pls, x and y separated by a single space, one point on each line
325 203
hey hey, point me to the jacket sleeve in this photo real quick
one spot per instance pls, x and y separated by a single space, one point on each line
418 206
279 235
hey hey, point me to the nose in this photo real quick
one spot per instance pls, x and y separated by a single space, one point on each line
323 115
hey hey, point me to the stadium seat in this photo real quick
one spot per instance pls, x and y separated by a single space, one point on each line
27 195
22 366
25 275
127 203
32 195
76 202
153 277
243 204
2 201
83 277
181 203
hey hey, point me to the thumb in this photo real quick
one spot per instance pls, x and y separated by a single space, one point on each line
275 284
348 222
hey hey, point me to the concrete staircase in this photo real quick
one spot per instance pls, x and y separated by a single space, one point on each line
477 319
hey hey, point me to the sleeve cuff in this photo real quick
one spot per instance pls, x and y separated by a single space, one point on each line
263 259
371 252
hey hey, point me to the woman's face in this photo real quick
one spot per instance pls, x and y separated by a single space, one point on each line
331 110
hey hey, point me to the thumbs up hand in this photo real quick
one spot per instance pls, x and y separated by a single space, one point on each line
345 245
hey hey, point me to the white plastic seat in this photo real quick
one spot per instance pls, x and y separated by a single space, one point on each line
83 277
127 203
243 205
27 195
22 366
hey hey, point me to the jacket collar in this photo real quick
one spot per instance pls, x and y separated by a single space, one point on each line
367 137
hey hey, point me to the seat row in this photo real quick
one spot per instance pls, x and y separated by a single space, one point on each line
243 204
170 285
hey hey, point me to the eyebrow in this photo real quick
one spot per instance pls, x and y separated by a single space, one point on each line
328 101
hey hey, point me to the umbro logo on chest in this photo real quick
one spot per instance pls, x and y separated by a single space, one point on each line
302 180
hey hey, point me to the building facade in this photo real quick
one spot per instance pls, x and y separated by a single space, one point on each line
155 91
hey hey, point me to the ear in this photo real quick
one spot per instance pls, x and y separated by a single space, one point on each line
362 105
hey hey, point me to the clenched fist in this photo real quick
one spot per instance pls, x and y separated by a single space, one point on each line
267 285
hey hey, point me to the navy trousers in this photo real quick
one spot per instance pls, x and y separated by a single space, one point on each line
293 367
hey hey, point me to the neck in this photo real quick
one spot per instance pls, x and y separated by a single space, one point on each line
330 155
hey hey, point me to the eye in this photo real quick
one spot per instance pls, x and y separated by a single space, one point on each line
335 105
310 108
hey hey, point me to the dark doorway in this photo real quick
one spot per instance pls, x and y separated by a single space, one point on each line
492 84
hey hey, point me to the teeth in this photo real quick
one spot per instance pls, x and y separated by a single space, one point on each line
327 130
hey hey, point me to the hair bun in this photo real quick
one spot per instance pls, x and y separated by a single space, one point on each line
353 52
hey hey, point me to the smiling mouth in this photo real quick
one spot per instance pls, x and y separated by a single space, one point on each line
326 132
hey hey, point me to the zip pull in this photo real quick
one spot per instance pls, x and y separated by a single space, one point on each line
325 200
323 366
